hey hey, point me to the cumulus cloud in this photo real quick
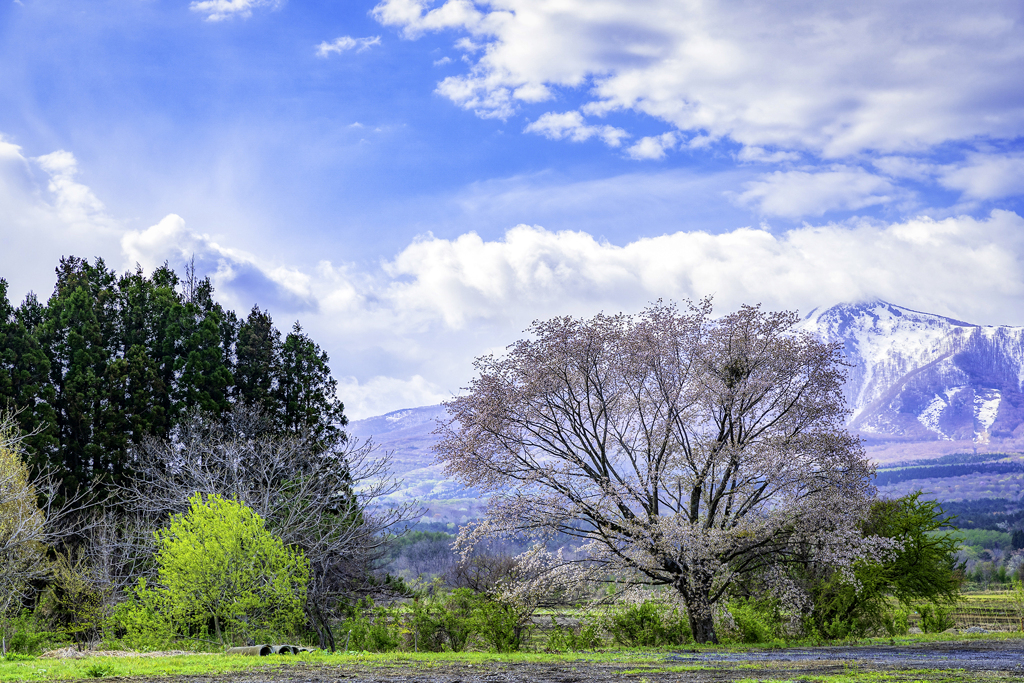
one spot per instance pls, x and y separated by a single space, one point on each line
963 266
571 125
346 43
219 10
379 395
653 147
834 79
759 155
74 201
986 176
46 212
812 193
231 269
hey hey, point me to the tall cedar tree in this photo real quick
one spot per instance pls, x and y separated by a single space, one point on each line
306 391
257 359
111 360
24 377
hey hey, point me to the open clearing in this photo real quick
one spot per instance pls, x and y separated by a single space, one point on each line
983 659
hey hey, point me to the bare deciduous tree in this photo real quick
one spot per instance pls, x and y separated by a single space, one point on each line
317 497
687 451
33 517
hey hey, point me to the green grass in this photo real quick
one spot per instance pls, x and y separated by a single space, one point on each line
645 662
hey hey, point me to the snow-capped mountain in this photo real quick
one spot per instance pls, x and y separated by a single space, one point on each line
918 376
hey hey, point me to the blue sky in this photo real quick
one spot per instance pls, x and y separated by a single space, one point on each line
416 181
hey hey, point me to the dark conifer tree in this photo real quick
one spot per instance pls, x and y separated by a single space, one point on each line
25 386
307 392
75 332
109 361
257 361
203 367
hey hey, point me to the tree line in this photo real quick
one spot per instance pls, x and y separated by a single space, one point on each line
110 360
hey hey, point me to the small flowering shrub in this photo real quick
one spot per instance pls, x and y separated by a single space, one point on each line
504 625
755 621
935 618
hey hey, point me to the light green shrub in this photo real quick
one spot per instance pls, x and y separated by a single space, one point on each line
649 624
219 570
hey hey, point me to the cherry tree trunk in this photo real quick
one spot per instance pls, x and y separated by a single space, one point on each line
703 627
696 591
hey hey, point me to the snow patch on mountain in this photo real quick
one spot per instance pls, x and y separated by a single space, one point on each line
922 376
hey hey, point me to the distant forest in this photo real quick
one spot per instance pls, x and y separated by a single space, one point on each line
893 476
997 514
110 360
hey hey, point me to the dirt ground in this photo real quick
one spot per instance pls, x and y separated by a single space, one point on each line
968 661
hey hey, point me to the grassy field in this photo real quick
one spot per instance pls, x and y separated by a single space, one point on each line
990 610
621 664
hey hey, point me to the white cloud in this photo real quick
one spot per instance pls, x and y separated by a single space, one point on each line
653 147
74 201
443 61
47 213
961 265
834 79
986 176
572 126
232 269
812 193
345 43
219 10
379 395
905 167
759 155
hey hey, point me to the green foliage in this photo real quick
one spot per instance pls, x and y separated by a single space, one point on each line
981 538
22 530
935 618
108 361
444 621
72 603
756 621
924 568
504 626
648 624
18 657
374 628
218 563
99 670
584 636
1017 600
24 635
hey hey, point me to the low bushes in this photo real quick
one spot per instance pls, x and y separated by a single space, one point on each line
648 624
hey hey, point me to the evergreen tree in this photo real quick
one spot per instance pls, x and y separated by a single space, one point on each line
74 333
110 360
257 352
306 391
203 365
25 390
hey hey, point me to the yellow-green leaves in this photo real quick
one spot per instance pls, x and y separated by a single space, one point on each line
222 573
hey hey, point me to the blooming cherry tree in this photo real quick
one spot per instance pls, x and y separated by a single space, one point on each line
685 450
